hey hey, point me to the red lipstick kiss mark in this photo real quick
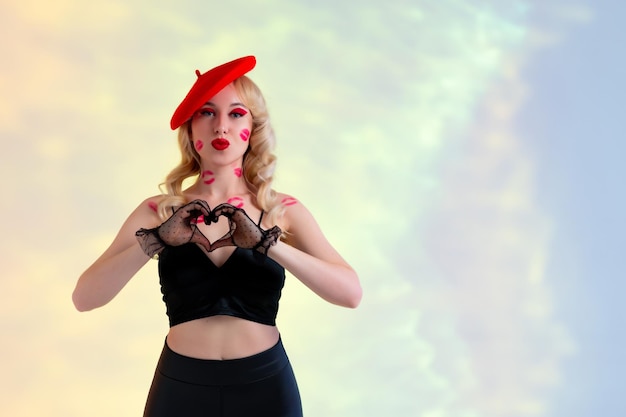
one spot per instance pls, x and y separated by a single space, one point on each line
220 144
209 174
236 201
199 145
244 135
238 172
289 201
198 220
153 206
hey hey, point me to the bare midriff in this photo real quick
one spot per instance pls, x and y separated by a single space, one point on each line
221 338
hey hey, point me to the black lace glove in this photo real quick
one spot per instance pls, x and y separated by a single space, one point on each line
176 231
244 232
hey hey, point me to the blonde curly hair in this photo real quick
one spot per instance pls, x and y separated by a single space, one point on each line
259 161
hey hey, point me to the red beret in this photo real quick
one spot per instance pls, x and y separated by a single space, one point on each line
209 84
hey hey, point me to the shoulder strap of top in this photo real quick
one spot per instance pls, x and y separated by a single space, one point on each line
261 217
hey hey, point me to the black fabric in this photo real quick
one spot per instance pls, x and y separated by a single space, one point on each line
245 286
262 385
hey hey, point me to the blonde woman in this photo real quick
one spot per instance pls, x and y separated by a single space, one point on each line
223 244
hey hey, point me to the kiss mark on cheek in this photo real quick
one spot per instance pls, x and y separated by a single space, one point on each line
236 201
289 201
153 206
238 172
209 177
199 145
244 135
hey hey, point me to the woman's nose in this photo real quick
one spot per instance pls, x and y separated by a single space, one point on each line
222 124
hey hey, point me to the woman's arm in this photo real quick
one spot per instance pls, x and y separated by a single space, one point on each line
106 277
309 256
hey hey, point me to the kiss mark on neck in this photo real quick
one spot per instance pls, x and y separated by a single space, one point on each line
209 177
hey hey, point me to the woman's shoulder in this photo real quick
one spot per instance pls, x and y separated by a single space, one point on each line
152 203
287 200
144 215
301 227
147 211
294 212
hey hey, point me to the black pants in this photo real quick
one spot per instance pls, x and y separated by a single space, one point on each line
259 385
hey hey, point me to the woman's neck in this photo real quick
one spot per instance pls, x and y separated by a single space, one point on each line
220 182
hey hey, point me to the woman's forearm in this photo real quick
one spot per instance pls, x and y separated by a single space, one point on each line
336 283
103 280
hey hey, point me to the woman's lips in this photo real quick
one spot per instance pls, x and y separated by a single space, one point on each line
220 144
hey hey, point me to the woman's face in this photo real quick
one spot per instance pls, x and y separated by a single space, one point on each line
221 128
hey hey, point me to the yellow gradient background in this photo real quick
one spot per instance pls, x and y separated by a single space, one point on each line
397 125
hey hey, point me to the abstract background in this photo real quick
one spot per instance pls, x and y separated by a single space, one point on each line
464 156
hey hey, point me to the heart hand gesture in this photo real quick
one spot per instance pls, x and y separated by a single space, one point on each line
180 229
244 232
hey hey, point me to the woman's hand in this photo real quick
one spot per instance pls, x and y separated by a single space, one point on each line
178 230
244 232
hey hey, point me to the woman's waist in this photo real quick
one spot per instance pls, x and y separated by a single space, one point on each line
223 372
221 338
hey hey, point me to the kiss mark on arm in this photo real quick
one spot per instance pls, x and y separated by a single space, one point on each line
288 201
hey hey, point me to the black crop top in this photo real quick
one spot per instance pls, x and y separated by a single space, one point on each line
247 286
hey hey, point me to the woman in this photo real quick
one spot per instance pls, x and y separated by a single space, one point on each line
223 245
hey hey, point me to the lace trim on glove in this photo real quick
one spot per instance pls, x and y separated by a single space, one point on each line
150 242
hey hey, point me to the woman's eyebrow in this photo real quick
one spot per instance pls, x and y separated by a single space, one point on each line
208 103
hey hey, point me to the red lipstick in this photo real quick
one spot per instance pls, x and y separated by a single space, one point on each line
220 144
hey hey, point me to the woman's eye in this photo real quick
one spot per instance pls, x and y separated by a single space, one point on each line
204 112
236 113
